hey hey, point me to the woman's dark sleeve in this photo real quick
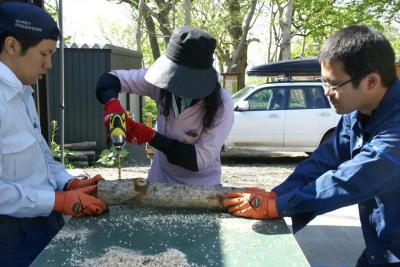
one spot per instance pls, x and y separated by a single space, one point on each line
177 152
108 86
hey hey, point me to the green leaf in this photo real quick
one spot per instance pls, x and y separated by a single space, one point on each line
124 153
104 153
108 156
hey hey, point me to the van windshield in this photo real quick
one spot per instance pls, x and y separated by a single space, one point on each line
236 96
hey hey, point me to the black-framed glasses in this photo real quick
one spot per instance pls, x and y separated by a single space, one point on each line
333 88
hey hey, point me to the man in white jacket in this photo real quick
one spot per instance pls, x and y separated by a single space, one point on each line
35 190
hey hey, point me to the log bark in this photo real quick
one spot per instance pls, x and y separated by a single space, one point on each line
77 158
138 193
90 155
81 146
81 164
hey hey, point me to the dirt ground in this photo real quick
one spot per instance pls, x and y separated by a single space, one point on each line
262 169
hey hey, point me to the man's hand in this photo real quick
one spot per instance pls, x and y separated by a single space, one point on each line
256 203
76 183
79 202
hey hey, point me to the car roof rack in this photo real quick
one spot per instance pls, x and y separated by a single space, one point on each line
287 69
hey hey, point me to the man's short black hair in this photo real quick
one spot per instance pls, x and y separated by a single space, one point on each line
362 50
26 42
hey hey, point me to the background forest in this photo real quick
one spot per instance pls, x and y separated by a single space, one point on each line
286 29
271 30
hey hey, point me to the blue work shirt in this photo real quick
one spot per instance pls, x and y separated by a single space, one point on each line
359 163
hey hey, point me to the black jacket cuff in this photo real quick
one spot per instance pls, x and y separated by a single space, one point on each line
108 86
177 152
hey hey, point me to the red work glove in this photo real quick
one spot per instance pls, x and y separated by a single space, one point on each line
140 132
257 204
135 132
79 202
76 183
114 106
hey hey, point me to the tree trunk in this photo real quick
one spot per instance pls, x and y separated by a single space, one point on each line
164 10
272 37
286 26
139 26
151 29
239 35
138 193
241 68
303 46
187 7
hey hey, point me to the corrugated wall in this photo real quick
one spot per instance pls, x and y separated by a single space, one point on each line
83 113
126 59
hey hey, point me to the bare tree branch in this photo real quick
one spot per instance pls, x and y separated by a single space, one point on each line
239 50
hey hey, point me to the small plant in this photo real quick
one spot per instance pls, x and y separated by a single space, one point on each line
55 148
149 107
108 157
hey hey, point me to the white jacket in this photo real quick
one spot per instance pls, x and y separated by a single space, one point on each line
29 176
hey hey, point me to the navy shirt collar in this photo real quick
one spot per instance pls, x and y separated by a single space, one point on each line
389 100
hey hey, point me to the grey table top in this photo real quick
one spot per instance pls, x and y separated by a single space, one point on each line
205 238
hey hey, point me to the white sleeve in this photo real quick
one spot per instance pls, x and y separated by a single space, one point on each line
132 81
20 201
57 169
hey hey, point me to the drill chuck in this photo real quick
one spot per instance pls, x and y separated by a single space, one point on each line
118 129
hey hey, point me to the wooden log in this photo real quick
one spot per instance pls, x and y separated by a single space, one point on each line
90 145
74 157
81 164
138 193
90 155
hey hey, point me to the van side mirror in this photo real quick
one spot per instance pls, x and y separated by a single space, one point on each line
243 105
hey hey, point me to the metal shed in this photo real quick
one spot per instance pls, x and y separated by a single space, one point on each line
83 112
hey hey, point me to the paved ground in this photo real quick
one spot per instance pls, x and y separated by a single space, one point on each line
333 239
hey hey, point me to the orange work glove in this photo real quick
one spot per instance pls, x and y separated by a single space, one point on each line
258 204
76 183
79 202
256 190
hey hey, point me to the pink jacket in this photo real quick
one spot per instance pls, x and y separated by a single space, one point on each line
208 143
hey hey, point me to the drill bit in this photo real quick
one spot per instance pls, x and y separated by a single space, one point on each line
119 164
118 154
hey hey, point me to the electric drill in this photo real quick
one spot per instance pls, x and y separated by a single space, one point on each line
118 134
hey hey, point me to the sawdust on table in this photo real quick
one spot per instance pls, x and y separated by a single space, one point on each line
123 257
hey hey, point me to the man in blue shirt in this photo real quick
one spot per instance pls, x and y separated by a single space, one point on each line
360 162
35 190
